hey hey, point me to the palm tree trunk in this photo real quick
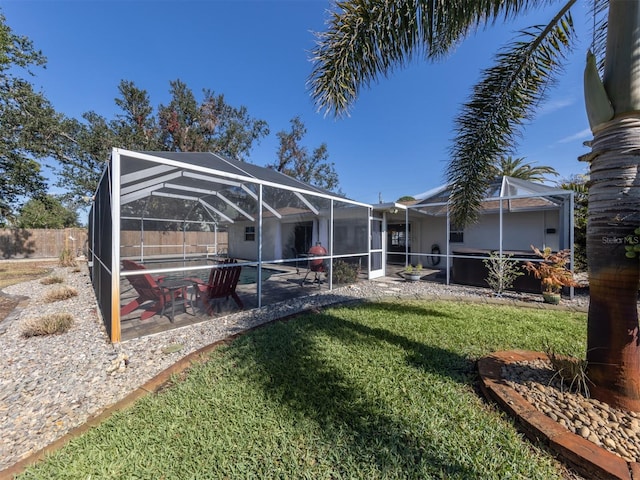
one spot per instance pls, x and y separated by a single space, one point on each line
613 341
613 350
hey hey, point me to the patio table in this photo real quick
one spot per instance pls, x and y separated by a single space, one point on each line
172 286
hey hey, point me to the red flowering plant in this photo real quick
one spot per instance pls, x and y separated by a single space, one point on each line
552 270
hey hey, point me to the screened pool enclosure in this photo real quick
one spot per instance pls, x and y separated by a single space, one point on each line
178 238
513 215
163 222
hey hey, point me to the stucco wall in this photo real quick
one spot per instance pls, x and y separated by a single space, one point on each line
520 230
238 246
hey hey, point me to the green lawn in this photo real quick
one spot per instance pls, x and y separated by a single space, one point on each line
378 390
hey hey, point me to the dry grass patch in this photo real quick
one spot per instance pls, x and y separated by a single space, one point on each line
23 271
52 279
53 324
67 258
60 293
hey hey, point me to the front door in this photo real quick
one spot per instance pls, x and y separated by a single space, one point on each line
398 243
302 235
376 250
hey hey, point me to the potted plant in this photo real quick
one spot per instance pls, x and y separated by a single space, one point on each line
552 272
413 274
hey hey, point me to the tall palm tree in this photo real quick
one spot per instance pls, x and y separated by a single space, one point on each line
519 168
367 39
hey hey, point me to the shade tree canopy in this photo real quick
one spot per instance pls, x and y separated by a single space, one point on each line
185 124
78 149
46 211
209 126
28 122
295 160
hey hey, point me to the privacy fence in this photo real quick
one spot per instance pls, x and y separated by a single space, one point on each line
138 244
47 243
41 243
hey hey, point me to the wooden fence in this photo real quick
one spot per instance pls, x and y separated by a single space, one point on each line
41 243
47 243
171 243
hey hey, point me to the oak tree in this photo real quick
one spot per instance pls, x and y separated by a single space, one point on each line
295 160
28 122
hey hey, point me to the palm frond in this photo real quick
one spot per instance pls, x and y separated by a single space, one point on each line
520 168
503 100
599 11
367 39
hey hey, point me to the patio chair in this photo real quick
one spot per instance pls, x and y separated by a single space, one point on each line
149 289
222 284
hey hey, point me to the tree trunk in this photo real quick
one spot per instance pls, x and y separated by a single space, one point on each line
613 342
613 352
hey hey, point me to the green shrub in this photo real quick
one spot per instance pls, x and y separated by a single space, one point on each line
53 324
344 273
502 272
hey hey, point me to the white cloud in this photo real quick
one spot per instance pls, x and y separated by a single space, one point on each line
581 135
555 105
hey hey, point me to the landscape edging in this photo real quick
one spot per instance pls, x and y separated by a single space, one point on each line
584 456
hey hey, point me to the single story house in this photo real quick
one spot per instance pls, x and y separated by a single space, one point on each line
177 213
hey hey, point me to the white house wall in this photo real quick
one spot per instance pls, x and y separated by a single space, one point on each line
278 237
552 221
272 241
523 229
430 231
520 230
238 246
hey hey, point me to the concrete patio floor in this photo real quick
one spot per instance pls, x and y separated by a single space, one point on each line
279 287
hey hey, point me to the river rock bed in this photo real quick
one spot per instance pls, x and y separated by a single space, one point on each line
564 401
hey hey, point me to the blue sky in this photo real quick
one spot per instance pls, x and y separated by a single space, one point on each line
256 53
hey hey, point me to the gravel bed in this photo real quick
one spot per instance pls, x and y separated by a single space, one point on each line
616 430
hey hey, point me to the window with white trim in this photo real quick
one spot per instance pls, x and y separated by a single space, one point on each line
456 234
